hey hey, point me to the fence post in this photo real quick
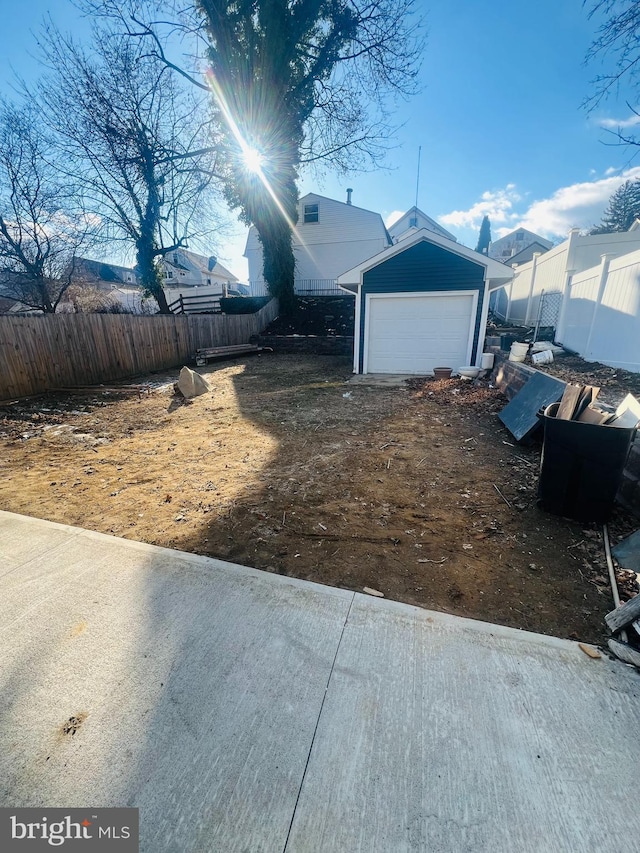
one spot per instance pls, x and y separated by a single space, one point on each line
181 304
507 312
605 260
566 296
534 260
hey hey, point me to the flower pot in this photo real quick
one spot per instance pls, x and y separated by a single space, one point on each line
442 372
469 371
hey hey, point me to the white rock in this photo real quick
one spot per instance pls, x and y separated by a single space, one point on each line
191 384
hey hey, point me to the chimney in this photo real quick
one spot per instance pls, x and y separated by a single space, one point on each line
349 191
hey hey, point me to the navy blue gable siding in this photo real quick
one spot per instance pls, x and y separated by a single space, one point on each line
423 267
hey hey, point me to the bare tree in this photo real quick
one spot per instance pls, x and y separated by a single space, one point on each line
138 148
616 43
40 231
294 83
617 46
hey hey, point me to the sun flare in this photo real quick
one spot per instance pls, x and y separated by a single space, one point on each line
253 160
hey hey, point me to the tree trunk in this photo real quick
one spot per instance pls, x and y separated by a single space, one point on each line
278 260
274 225
150 277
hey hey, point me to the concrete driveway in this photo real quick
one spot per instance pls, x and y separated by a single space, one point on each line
243 711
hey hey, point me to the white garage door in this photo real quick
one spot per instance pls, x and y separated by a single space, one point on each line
413 333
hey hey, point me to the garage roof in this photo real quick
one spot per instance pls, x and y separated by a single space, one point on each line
496 273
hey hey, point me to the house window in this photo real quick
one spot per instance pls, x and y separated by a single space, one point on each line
169 274
520 235
208 281
311 213
413 222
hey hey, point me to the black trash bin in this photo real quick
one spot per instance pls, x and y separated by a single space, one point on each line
581 466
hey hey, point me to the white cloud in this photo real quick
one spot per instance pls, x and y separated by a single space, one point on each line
621 123
579 205
393 217
576 206
496 204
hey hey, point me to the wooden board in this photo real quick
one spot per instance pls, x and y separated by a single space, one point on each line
588 395
623 615
570 398
593 416
520 415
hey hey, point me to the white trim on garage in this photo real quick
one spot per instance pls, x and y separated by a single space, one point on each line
413 295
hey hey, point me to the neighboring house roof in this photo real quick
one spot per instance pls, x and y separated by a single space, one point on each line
99 271
513 243
208 265
526 254
415 218
7 304
495 271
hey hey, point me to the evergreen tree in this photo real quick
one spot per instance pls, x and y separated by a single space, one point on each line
622 210
484 238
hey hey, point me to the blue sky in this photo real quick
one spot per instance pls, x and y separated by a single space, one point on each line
499 120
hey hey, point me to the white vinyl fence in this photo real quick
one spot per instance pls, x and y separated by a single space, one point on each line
600 318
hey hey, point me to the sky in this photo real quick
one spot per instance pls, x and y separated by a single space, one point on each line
498 122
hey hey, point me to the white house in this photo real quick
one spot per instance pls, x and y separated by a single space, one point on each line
330 237
414 220
183 268
421 303
190 275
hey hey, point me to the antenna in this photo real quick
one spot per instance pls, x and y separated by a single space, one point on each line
418 175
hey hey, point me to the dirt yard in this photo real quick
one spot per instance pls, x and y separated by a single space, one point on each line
417 491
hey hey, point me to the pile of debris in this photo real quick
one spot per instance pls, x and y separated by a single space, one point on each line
624 621
578 403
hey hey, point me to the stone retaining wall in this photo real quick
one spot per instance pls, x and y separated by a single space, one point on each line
511 376
306 344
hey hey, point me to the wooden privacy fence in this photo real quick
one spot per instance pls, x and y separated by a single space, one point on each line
68 350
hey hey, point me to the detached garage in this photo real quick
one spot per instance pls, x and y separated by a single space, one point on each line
421 304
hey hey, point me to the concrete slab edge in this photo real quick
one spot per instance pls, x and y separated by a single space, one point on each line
197 559
445 619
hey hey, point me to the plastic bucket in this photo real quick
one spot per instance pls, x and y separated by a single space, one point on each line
544 357
581 467
487 360
518 351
